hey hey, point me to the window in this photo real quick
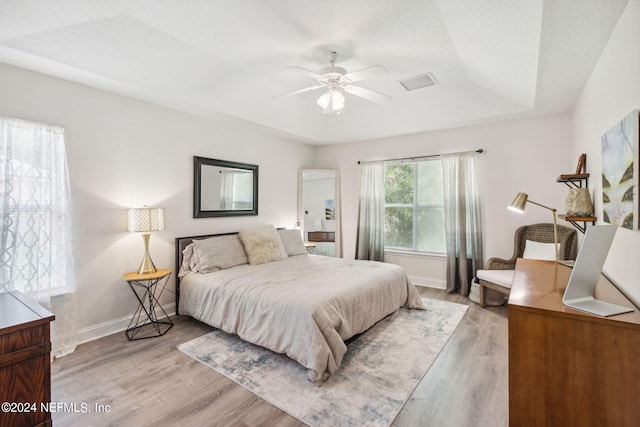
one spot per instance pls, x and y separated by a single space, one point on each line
35 245
414 206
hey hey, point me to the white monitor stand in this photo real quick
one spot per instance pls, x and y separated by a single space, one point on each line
586 272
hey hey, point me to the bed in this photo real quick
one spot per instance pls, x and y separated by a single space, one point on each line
303 305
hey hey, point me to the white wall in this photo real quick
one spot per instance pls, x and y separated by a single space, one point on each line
520 155
611 93
126 153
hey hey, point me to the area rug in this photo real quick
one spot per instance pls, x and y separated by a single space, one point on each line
381 369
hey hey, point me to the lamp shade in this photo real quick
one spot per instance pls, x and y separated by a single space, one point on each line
337 100
332 100
145 219
519 203
324 99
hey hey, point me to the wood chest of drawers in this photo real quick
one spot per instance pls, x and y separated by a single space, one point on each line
567 367
25 370
321 236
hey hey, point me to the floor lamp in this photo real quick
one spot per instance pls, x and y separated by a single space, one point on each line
519 204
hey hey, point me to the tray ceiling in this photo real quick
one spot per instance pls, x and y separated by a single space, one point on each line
492 59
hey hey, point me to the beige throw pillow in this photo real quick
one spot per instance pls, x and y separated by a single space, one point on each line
219 253
292 241
262 244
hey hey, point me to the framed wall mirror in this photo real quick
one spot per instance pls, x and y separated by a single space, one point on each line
319 210
224 188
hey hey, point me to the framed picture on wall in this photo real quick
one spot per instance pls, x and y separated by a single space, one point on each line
329 209
620 173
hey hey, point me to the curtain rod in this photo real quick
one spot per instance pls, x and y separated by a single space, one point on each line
401 159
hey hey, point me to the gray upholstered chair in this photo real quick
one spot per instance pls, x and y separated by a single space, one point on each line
498 272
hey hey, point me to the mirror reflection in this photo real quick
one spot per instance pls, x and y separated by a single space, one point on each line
226 189
223 188
319 210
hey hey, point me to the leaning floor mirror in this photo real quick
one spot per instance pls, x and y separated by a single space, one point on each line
319 210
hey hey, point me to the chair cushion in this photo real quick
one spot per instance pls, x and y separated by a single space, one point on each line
499 277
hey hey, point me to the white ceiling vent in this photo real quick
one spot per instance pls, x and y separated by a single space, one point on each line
417 82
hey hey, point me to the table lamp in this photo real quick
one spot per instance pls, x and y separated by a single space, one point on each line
145 220
518 205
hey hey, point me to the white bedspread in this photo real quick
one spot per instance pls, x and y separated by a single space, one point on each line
304 306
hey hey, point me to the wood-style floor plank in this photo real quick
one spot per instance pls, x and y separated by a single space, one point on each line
151 383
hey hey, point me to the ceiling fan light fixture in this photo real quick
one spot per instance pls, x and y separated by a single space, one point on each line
337 100
337 81
324 99
331 100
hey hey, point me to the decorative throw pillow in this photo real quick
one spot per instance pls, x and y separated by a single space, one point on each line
219 253
262 244
538 250
292 241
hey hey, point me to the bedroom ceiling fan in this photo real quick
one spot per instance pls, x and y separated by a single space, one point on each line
337 81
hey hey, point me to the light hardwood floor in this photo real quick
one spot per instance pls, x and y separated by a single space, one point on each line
151 383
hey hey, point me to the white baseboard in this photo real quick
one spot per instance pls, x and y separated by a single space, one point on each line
117 325
427 282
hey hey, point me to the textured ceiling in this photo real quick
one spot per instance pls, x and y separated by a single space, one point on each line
493 59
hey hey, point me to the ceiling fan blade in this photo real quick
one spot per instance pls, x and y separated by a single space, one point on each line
307 72
366 73
295 92
368 94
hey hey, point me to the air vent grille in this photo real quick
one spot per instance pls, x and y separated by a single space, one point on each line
417 82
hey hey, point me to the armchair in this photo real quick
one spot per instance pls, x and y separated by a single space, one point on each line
498 272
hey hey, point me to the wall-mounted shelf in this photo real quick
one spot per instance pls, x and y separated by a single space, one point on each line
576 219
576 180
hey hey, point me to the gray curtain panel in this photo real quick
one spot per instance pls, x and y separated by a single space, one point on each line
370 234
463 221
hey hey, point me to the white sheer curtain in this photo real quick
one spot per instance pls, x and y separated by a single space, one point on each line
226 190
35 210
463 220
370 237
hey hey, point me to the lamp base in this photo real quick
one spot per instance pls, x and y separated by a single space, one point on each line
147 265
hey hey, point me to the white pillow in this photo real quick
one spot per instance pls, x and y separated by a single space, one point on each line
292 241
538 250
189 264
262 244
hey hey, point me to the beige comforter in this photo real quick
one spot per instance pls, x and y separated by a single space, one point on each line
304 306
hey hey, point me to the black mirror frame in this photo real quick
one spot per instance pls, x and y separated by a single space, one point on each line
198 162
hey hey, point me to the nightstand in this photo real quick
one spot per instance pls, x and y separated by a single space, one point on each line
148 288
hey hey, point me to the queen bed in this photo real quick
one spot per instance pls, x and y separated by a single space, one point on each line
262 285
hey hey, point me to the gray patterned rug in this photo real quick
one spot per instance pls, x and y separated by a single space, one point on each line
381 369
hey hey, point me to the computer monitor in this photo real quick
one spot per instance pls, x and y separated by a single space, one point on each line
586 272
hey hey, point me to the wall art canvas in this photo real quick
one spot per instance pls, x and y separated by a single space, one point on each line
330 209
620 173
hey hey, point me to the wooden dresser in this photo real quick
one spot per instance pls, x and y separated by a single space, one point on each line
25 371
567 367
321 236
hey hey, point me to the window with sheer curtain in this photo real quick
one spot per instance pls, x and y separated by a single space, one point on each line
35 241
